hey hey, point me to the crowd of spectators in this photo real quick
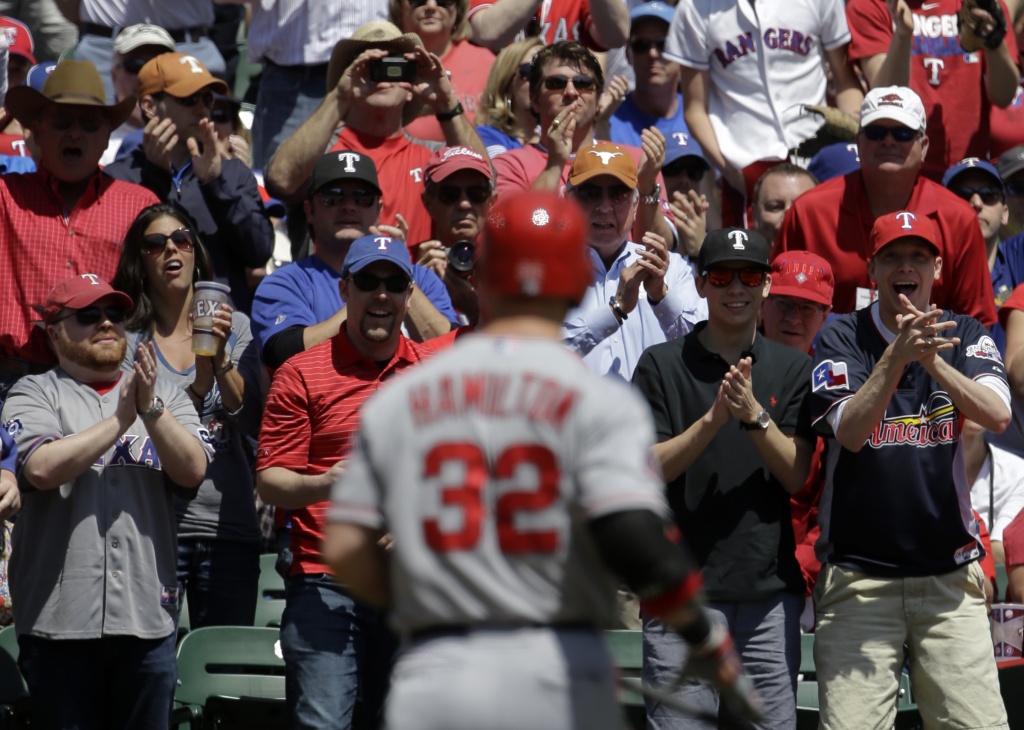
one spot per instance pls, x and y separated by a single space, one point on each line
770 284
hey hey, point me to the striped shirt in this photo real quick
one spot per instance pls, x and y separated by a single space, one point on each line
312 415
304 32
42 243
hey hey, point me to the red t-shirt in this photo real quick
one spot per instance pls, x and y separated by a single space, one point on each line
1013 541
400 164
834 221
560 20
469 66
311 416
948 80
1007 125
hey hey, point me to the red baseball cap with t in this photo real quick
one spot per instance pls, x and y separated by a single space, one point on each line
903 224
78 292
803 275
449 160
19 38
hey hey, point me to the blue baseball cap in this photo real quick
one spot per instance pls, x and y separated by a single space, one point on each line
682 144
37 74
364 251
835 160
971 163
656 9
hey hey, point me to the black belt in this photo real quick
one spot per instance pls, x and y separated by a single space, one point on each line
313 69
436 632
179 36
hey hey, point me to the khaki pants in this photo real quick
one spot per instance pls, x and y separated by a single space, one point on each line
863 623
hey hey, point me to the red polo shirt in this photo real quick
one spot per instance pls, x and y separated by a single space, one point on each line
834 221
312 415
42 243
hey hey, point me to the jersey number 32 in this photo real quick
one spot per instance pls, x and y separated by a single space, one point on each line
469 497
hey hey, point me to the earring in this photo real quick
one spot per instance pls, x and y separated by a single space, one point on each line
508 103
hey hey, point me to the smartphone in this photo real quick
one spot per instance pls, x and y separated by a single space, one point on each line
392 68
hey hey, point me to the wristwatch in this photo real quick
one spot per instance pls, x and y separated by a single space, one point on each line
450 114
760 423
652 197
155 409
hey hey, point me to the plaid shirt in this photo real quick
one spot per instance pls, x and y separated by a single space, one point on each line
42 243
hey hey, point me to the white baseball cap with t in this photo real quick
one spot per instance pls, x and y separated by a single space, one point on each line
897 103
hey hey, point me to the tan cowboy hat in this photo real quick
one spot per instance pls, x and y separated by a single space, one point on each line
73 83
375 34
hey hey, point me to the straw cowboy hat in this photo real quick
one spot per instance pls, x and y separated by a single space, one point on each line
375 34
73 83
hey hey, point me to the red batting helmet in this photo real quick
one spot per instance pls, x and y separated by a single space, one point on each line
534 244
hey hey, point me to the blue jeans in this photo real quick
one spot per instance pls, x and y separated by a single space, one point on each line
767 636
222 579
335 652
103 684
288 96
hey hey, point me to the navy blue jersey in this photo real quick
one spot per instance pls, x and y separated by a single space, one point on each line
901 506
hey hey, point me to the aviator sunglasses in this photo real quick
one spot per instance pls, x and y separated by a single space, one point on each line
723 276
449 194
579 82
337 196
396 283
200 96
94 315
989 196
876 133
155 243
589 193
641 46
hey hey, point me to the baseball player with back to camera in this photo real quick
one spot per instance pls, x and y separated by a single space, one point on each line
523 491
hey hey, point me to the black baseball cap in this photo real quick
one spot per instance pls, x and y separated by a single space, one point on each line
343 165
1011 162
735 245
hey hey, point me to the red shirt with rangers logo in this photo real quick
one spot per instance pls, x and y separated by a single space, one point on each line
400 164
554 21
949 81
312 415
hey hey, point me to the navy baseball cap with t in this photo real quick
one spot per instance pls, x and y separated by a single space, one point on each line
972 163
364 251
734 245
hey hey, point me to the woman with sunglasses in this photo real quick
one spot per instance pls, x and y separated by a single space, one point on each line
442 26
507 121
218 534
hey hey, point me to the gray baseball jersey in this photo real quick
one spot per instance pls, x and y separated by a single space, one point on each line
97 556
485 464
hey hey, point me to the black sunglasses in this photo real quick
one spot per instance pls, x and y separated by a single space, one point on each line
989 196
206 97
133 65
1015 189
579 82
723 276
644 45
451 194
589 193
94 315
337 196
87 122
155 243
440 3
523 72
682 166
876 133
396 283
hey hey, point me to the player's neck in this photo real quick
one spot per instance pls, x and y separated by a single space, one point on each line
375 122
728 342
657 100
171 312
524 325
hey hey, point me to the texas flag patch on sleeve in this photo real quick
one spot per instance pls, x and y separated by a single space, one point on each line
829 375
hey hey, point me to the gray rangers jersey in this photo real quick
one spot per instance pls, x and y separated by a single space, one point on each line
485 464
96 556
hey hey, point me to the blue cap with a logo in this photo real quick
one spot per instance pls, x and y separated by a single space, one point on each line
656 9
682 144
38 74
972 163
364 251
834 160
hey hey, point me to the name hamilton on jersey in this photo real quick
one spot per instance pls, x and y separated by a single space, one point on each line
496 395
